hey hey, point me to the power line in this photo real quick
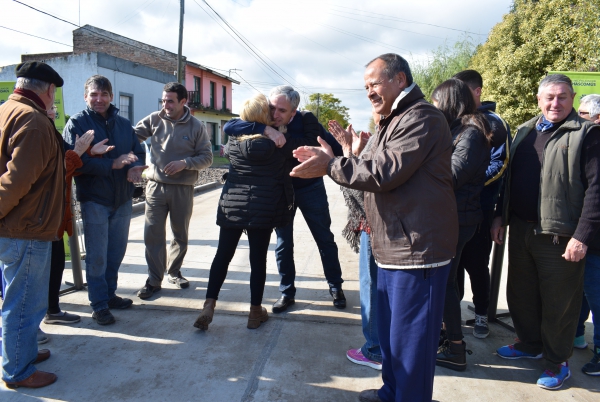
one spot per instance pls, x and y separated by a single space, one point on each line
251 47
388 17
39 37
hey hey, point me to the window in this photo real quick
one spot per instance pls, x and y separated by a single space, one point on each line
212 95
126 106
224 103
194 96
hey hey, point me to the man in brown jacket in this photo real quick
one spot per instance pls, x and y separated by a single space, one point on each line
32 191
411 210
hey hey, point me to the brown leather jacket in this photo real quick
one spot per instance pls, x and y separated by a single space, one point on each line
32 172
407 179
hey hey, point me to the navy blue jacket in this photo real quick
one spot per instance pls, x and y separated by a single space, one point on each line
302 130
501 141
98 181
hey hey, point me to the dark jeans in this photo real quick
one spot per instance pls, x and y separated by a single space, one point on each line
410 304
452 315
312 201
57 267
258 239
475 259
543 292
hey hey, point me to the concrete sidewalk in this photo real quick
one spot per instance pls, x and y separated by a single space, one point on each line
153 352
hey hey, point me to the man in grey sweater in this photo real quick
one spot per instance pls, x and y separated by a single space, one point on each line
180 147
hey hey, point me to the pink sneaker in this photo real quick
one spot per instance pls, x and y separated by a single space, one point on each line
356 356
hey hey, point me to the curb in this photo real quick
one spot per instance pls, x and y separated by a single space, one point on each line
140 206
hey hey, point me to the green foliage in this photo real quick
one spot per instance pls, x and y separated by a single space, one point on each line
327 107
534 38
443 63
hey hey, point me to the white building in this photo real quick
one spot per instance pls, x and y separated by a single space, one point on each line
137 89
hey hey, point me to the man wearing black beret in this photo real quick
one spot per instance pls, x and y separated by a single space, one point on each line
32 191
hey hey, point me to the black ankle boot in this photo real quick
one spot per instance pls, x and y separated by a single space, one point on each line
453 356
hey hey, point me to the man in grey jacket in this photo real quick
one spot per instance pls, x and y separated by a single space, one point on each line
411 212
180 147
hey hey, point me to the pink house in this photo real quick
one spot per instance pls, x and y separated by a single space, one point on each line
209 98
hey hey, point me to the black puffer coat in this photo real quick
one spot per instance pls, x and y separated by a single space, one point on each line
470 159
258 193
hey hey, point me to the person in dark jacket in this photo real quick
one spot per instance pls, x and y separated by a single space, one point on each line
471 139
257 197
310 195
475 256
104 190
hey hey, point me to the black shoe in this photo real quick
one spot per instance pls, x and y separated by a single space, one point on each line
179 281
443 337
452 356
103 317
147 291
339 300
283 303
119 302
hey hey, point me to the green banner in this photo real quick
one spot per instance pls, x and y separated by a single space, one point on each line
583 84
7 87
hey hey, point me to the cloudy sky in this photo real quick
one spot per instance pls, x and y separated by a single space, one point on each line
314 45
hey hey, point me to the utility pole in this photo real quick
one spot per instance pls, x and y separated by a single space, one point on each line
179 55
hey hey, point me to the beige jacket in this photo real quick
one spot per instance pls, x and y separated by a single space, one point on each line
185 139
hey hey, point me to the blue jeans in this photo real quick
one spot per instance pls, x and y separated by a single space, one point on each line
410 306
106 232
367 276
312 201
25 268
591 288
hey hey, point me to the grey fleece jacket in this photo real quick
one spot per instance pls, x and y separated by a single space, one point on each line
185 139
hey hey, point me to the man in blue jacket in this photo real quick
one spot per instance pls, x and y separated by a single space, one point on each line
104 190
475 256
309 195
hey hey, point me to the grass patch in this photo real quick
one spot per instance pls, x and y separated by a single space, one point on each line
219 161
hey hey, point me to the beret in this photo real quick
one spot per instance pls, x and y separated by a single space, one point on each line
39 71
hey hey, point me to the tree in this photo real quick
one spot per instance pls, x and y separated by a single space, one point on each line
444 62
534 38
326 107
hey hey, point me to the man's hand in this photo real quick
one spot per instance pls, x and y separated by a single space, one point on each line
359 142
314 160
134 175
344 137
497 230
174 167
82 143
123 160
275 136
100 148
575 251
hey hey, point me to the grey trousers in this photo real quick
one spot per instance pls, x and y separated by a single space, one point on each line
543 292
177 201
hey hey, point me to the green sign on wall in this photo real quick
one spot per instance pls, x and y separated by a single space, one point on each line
583 84
6 88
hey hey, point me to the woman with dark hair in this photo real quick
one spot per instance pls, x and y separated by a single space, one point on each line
471 139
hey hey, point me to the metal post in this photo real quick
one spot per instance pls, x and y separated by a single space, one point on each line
75 253
179 56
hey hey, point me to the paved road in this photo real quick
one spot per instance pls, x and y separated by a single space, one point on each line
153 353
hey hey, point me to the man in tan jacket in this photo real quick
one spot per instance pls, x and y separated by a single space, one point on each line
180 147
32 191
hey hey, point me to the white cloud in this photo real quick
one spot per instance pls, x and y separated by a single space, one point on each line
321 44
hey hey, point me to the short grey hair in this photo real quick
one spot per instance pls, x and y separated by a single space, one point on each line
553 79
291 95
592 102
32 84
394 64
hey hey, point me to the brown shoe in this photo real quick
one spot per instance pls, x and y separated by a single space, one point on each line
257 316
38 379
206 316
43 355
369 395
